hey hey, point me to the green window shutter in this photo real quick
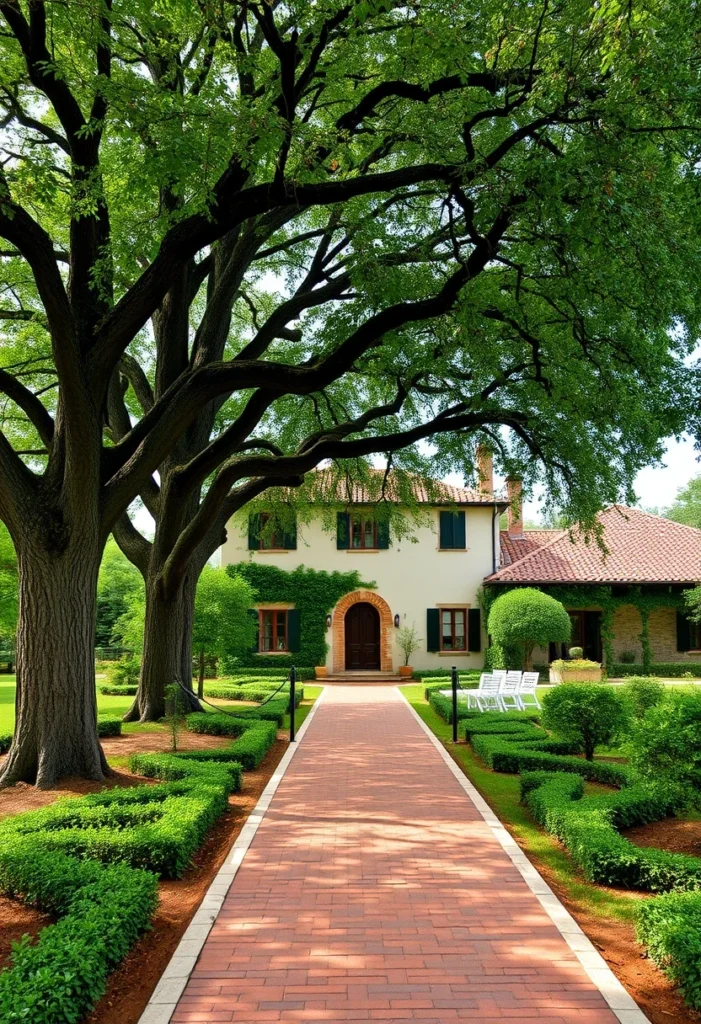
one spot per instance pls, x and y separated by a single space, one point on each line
474 630
255 616
291 537
433 629
459 530
254 531
683 632
383 536
342 531
446 531
293 629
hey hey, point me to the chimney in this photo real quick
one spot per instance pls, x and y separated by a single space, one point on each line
485 470
514 513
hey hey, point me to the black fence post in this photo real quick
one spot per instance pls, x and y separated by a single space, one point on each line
293 680
454 681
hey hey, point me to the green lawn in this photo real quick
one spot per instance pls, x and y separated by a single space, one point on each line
502 793
119 706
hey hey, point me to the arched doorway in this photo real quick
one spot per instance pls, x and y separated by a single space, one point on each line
362 624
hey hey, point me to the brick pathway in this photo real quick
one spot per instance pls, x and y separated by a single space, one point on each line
373 890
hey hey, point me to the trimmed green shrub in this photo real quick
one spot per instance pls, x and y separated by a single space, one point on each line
588 827
109 727
522 619
242 674
253 738
118 691
253 692
103 910
670 928
5 743
666 669
511 742
124 672
586 712
640 694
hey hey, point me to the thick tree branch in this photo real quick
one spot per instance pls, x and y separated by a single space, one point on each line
30 405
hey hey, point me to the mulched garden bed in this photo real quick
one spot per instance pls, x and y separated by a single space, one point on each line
673 834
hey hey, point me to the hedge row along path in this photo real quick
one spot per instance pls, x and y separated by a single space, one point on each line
378 888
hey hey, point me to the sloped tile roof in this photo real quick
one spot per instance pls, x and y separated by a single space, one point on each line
514 548
640 548
325 486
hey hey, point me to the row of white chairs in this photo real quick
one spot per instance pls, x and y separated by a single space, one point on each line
504 691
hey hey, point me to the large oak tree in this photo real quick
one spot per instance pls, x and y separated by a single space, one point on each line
244 238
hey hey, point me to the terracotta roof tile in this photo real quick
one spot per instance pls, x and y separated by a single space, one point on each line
514 548
641 548
325 486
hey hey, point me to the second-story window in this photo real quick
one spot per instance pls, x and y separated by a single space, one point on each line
265 533
271 536
363 533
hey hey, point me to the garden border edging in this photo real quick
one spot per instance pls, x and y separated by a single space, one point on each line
620 1002
171 985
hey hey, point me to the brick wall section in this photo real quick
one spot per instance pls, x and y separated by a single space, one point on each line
338 628
626 632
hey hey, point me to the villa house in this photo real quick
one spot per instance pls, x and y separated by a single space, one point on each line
626 603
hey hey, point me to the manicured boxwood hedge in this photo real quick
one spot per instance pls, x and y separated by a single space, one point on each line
670 669
109 727
670 928
117 691
94 862
589 828
254 692
253 737
5 743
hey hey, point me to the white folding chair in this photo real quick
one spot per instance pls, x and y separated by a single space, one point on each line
509 691
487 696
527 696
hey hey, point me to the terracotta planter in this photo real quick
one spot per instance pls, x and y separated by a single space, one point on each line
406 671
321 671
575 675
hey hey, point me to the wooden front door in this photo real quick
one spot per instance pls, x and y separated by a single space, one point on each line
362 638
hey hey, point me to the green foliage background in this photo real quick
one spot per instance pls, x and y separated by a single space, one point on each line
312 591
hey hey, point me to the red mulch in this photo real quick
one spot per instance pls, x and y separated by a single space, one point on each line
673 834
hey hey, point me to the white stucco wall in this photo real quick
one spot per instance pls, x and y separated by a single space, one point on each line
411 576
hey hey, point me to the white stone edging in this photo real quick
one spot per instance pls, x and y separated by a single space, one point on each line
165 996
621 1003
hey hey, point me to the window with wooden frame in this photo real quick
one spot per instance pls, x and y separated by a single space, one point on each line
453 629
272 632
272 538
363 533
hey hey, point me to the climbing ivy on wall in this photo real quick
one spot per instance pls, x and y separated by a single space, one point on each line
312 591
603 598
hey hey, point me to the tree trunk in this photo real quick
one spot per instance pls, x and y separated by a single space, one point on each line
56 702
167 654
200 679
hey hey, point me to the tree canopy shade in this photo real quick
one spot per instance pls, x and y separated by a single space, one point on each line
243 240
686 507
525 618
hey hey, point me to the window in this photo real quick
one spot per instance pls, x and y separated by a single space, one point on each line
452 531
363 533
695 636
273 630
271 536
453 634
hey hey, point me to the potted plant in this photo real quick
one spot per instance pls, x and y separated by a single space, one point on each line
576 669
321 671
408 641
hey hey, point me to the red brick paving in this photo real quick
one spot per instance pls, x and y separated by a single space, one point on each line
374 891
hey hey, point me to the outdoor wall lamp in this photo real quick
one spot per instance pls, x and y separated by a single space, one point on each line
328 622
396 621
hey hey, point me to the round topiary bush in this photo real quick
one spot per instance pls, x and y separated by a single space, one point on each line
666 746
642 693
592 713
526 618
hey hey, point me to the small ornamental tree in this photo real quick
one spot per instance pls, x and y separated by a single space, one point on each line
222 627
589 712
408 641
523 619
666 746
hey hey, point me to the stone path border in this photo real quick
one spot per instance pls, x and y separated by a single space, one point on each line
620 1002
164 999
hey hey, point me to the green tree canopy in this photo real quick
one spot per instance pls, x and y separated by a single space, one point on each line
118 584
526 618
223 626
686 507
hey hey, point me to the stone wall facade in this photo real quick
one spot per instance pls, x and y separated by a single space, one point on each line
663 635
